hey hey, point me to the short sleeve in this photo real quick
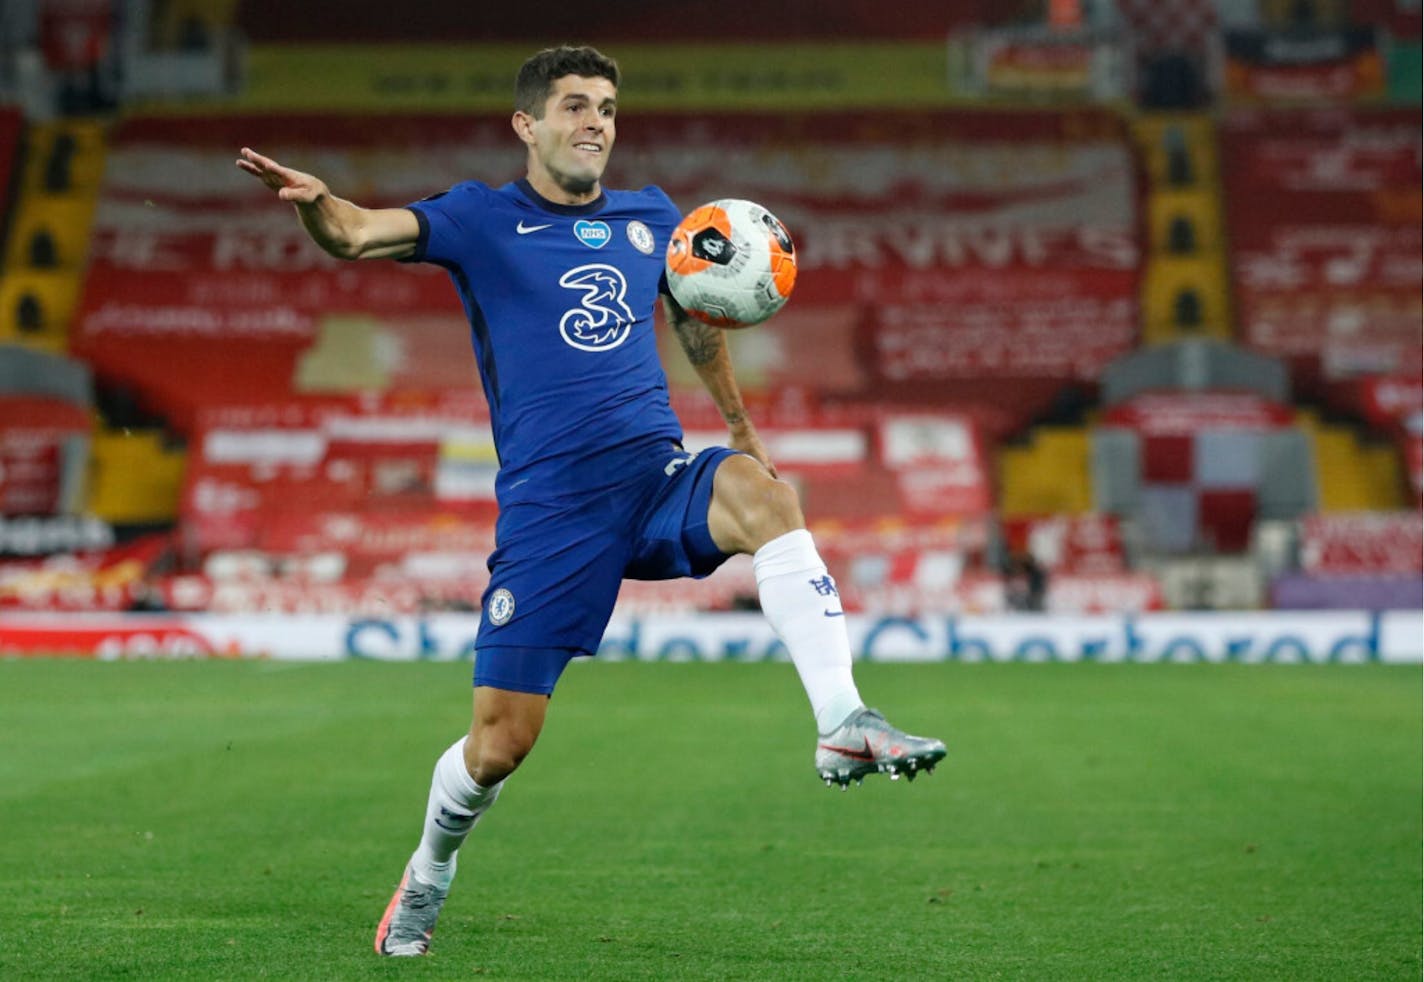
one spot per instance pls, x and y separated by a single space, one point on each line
447 220
672 213
671 216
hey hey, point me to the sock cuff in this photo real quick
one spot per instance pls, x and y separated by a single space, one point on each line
792 552
487 795
453 774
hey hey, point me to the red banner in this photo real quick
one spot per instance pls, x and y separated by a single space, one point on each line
982 244
33 432
1391 402
112 579
112 638
1325 216
1103 593
1089 544
30 472
75 34
1366 542
1008 326
1051 66
366 537
1188 413
1317 67
384 597
939 463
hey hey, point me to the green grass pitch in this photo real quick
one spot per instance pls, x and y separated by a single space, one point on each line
216 820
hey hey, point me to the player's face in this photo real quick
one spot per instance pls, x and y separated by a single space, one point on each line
570 145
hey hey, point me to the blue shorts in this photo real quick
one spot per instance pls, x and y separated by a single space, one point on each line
558 564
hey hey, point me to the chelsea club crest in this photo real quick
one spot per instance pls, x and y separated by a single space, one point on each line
500 607
641 236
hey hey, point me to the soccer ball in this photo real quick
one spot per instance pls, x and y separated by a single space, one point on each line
731 263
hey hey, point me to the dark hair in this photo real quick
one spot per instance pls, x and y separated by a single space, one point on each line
538 74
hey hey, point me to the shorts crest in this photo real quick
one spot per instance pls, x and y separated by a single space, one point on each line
500 607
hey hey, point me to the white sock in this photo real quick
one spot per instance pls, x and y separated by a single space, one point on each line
800 600
455 805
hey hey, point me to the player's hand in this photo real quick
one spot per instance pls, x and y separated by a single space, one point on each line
744 437
290 185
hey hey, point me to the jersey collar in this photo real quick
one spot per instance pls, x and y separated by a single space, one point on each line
596 205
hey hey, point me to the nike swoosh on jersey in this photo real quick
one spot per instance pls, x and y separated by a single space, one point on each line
523 229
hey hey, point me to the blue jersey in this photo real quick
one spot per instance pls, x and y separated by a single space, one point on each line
560 302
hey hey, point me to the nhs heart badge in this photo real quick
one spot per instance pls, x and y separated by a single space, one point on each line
595 235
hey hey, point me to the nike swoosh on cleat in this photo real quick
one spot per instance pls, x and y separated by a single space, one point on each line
833 613
523 229
854 754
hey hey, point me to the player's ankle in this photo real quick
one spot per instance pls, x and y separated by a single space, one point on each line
428 870
834 712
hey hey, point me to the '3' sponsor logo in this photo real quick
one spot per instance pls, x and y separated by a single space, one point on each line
603 319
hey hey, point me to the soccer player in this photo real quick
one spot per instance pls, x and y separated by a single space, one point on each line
559 278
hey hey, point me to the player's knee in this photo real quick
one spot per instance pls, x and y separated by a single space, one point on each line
497 752
504 728
498 755
755 506
781 509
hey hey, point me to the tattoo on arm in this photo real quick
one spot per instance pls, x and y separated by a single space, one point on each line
702 342
706 349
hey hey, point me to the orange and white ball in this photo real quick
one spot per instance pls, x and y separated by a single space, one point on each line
731 263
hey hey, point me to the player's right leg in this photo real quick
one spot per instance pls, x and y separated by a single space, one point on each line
466 782
553 582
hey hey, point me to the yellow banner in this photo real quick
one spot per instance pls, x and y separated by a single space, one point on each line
480 77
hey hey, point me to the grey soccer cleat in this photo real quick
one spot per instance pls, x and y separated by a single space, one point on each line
866 744
410 917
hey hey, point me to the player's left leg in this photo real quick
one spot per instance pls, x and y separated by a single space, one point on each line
752 512
465 784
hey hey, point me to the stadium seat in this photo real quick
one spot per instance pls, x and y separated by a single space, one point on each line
29 315
40 250
1201 208
75 147
188 25
51 219
1178 149
134 478
1169 311
65 219
1354 476
1181 236
1316 15
55 290
35 308
1184 281
1049 476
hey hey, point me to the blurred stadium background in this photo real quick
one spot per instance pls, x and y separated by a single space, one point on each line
1107 339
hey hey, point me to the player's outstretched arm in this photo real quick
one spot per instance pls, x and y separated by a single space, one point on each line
706 348
343 229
